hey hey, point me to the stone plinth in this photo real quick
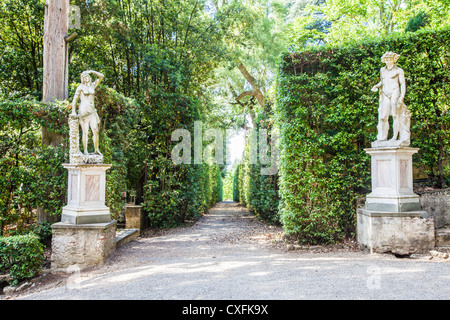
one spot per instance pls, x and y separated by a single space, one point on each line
393 220
134 217
86 194
85 245
392 180
398 233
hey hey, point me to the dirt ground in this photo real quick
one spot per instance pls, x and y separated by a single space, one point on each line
230 254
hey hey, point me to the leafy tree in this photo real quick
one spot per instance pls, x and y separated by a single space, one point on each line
21 45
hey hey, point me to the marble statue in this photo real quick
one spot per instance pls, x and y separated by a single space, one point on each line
87 118
392 89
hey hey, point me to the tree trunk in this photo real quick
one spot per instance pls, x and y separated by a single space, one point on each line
55 69
55 60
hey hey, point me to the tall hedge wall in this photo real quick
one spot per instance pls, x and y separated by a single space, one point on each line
327 115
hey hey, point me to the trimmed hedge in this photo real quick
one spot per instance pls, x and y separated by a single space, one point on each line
172 193
21 256
257 192
327 115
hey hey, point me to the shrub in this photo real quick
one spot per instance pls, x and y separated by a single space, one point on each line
44 232
172 193
21 256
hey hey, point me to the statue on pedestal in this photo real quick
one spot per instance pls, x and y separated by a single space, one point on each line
392 219
87 118
392 89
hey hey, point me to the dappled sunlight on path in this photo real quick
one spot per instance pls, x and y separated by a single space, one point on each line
230 254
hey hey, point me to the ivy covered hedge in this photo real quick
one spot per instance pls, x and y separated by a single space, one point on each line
170 193
327 115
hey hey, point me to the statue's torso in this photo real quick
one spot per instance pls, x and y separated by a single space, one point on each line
87 101
390 81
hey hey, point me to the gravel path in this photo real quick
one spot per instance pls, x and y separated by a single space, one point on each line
229 254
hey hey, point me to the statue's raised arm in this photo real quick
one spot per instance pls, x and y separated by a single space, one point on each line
99 75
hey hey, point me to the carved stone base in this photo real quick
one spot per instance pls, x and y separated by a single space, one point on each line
86 194
81 158
393 220
390 143
392 180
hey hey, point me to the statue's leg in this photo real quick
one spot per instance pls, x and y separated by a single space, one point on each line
395 111
95 133
84 134
383 118
85 131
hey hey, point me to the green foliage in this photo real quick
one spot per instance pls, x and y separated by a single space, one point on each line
172 193
257 192
352 21
31 174
21 45
148 45
44 232
21 256
420 20
227 189
327 115
236 195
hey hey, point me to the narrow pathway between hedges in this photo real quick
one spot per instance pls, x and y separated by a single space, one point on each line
229 254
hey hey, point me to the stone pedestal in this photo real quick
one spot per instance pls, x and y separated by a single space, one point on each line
392 220
392 180
86 235
84 245
86 194
399 233
134 218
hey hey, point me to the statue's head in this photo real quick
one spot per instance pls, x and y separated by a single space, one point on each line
390 58
86 78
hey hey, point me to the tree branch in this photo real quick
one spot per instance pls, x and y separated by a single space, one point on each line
256 88
244 94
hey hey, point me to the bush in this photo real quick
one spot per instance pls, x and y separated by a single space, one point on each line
31 175
172 193
21 256
44 232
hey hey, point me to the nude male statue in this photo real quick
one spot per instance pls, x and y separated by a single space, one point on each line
88 117
392 92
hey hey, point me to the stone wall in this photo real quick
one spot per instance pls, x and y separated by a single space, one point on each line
437 204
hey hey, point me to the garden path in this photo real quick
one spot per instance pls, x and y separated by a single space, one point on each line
229 254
